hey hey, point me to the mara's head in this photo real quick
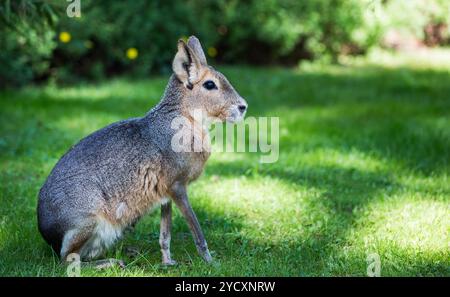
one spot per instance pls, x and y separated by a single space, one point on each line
205 88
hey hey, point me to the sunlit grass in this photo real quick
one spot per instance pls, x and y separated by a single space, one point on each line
363 168
410 224
419 59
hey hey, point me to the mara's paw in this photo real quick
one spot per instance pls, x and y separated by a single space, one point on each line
132 251
106 263
169 262
207 257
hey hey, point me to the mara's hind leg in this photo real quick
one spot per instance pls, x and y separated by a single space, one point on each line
104 263
88 244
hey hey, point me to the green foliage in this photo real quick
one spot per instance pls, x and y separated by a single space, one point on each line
333 25
26 39
262 31
107 29
265 31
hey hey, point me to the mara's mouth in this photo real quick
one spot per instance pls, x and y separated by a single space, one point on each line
231 114
234 117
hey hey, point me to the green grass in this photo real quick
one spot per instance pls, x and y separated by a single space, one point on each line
363 168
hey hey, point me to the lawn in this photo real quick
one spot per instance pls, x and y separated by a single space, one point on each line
363 169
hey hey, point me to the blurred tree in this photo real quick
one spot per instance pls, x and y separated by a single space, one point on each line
107 29
26 40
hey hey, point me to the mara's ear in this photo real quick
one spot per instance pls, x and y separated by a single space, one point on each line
195 45
186 65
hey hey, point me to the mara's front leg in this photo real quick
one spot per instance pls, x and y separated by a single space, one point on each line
164 234
180 198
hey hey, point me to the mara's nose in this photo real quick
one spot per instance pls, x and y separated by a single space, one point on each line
242 108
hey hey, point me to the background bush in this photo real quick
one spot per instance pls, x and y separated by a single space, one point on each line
232 31
26 39
107 29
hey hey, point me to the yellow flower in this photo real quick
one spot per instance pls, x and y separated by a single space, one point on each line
212 52
65 37
132 53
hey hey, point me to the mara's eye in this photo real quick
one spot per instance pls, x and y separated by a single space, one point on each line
209 85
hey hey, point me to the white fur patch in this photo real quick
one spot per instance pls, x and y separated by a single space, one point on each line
120 211
165 200
103 237
67 240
